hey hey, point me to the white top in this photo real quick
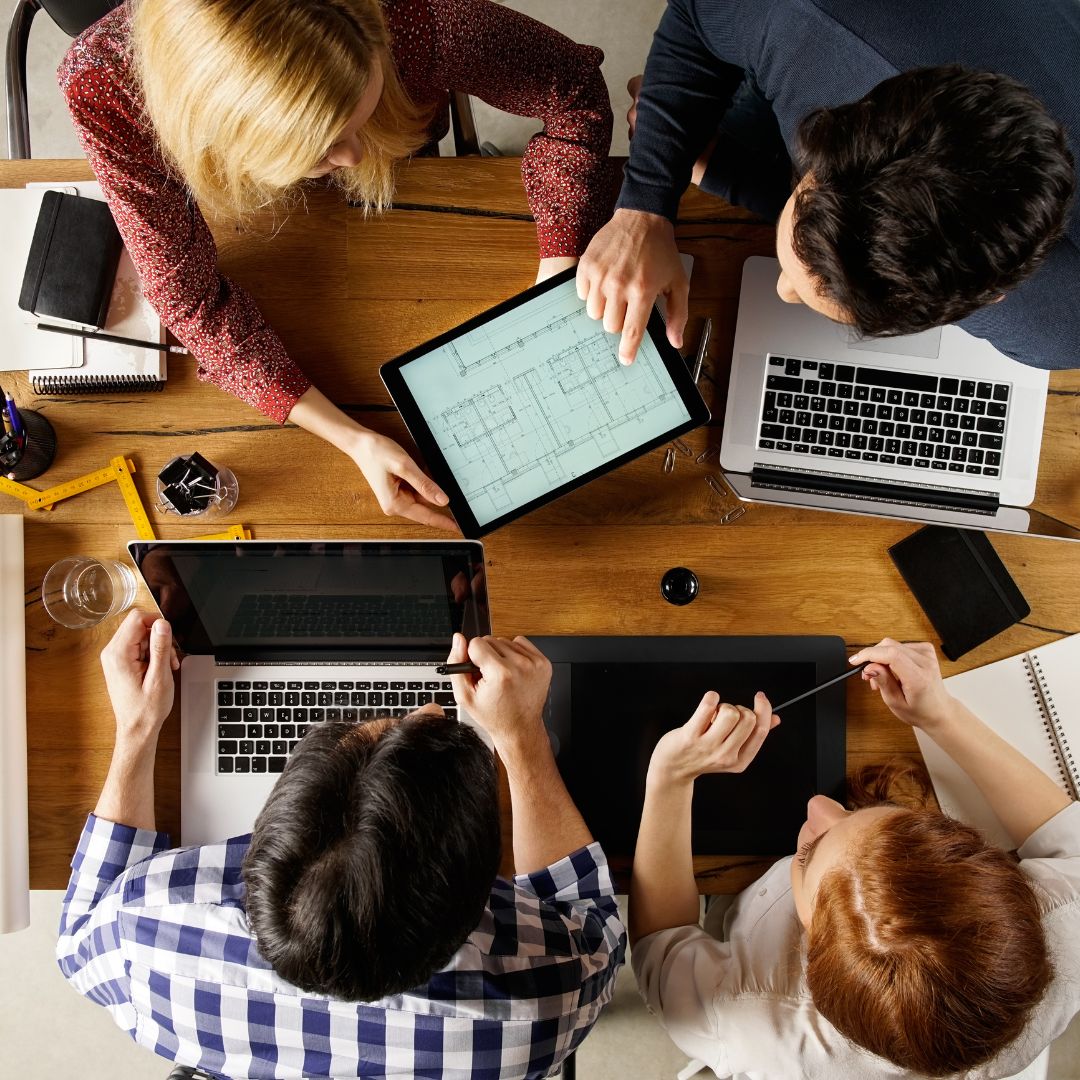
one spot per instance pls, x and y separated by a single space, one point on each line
743 1007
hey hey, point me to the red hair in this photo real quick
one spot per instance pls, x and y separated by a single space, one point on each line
926 946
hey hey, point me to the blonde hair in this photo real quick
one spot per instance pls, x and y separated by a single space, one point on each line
247 96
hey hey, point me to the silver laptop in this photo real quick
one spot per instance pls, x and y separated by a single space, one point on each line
278 636
934 427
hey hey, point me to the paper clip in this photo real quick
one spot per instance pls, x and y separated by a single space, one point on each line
708 452
718 487
669 460
682 447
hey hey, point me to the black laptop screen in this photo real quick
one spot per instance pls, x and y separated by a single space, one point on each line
331 599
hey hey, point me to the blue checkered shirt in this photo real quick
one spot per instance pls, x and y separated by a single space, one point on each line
161 939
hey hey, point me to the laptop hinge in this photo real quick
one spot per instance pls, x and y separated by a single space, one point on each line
867 488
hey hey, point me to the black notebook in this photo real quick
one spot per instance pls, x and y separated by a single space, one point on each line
72 262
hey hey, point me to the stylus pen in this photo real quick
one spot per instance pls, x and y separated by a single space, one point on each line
817 689
93 335
457 669
703 344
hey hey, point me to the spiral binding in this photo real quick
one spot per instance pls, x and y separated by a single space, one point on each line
106 384
1052 722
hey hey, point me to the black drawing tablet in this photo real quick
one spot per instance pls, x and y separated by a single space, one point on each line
528 401
613 698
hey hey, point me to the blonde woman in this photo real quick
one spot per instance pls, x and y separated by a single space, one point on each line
230 104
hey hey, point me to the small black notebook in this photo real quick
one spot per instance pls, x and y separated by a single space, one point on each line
72 262
961 584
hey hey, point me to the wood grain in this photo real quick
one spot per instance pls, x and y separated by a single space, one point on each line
347 293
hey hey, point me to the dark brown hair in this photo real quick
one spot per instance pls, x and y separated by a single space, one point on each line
374 856
926 947
928 198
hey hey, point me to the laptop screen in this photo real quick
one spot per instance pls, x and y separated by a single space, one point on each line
317 599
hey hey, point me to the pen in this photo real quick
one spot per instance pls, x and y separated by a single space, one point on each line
457 669
8 430
821 686
17 428
93 335
703 344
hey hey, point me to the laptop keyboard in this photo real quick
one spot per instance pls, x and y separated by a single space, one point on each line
901 418
260 723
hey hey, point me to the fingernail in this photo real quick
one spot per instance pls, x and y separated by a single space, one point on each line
854 659
161 627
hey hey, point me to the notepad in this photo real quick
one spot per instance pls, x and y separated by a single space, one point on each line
1033 702
106 367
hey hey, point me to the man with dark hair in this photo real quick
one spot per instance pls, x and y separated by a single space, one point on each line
362 929
933 148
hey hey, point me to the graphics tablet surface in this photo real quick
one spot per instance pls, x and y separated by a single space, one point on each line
529 401
612 698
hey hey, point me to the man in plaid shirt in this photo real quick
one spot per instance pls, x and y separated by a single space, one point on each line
361 930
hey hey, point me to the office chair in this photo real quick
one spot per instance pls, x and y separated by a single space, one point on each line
74 16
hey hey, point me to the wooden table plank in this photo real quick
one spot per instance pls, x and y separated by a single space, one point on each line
346 294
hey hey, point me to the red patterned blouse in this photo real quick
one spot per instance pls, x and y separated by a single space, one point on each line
481 48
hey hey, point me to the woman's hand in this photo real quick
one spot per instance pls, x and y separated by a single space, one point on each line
138 664
909 680
399 484
717 738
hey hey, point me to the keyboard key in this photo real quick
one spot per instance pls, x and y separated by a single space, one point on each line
894 397
230 716
952 420
991 442
920 432
270 731
869 427
843 439
345 686
862 393
225 684
230 731
288 731
324 697
868 409
246 747
926 450
828 389
845 373
341 698
327 685
274 698
991 424
844 390
276 764
852 424
836 423
280 747
887 459
877 444
909 449
781 382
903 431
262 746
898 380
394 699
959 453
820 420
350 714
977 407
258 765
967 423
967 387
311 686
243 686
266 716
941 466
927 401
809 365
960 405
850 408
253 731
996 408
1001 392
224 698
300 716
949 386
941 453
225 765
984 390
791 367
316 716
241 698
416 686
969 438
905 461
251 716
921 463
901 415
277 686
993 458
877 393
860 442
227 746
766 444
333 714
294 685
308 698
378 686
911 399
834 405
357 698
243 765
952 438
776 361
292 698
810 386
801 448
260 686
375 699
892 446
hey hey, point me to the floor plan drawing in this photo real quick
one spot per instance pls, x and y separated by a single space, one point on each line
530 401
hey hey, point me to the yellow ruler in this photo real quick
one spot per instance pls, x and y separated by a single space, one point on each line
120 469
233 532
20 491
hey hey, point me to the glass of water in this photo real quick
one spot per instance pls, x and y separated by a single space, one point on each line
81 591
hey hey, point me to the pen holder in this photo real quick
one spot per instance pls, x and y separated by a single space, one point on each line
40 449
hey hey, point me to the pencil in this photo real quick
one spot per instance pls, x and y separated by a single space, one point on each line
94 335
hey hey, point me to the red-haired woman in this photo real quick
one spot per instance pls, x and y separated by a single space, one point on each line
897 942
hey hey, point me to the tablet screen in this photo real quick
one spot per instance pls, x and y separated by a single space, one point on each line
529 401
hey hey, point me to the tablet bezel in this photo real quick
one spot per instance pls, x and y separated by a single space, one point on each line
419 429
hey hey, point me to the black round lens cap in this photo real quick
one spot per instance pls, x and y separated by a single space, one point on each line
679 586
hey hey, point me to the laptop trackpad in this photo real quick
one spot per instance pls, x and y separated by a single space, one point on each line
927 344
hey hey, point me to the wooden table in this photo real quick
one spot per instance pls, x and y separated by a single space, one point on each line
346 294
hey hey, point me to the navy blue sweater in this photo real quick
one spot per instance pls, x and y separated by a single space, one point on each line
804 54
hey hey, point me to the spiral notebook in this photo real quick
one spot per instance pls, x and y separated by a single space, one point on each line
1033 702
106 367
